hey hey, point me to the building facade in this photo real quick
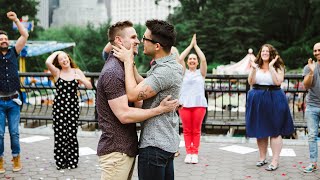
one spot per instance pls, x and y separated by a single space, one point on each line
138 11
58 13
79 13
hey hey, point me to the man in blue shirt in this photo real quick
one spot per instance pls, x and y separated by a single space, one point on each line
9 87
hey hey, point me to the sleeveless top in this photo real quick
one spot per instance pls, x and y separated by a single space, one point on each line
192 90
67 89
263 78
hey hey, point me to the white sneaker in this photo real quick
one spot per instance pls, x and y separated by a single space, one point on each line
194 159
187 160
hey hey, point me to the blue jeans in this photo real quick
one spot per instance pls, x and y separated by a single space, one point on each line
313 117
11 111
155 163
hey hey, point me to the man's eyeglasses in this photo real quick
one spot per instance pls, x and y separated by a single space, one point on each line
153 41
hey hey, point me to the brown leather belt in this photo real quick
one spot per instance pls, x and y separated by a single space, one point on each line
7 98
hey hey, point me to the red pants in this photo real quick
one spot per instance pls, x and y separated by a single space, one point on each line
191 122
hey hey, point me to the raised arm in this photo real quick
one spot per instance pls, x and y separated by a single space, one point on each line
202 57
137 76
252 74
22 40
277 75
54 70
185 53
175 52
308 77
126 114
81 77
106 51
135 91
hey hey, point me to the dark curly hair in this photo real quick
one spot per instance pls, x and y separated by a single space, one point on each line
273 53
162 32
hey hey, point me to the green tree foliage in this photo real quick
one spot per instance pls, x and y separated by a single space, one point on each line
240 31
203 18
227 28
292 26
21 8
87 53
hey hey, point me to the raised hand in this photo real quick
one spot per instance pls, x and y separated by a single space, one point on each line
311 64
123 54
194 40
253 64
12 16
273 61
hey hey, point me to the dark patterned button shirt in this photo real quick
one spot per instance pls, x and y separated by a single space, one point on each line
9 77
116 137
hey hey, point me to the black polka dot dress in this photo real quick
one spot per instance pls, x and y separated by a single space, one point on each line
65 123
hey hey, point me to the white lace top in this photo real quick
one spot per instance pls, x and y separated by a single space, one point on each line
192 90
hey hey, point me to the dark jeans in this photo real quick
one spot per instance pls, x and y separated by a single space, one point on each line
155 164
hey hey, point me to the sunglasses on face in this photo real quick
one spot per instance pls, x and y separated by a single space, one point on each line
150 40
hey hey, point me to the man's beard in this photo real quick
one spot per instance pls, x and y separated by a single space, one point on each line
4 48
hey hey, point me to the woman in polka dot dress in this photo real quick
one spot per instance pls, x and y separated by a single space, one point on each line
66 108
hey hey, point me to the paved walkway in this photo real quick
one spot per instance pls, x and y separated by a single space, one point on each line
215 163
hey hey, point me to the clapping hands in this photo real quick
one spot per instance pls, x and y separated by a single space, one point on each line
273 61
311 64
194 40
253 64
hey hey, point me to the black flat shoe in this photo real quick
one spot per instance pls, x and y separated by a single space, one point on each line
261 163
271 167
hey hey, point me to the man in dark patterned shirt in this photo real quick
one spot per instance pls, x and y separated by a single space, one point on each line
9 87
158 139
118 144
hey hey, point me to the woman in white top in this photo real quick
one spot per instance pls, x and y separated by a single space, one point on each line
192 98
267 110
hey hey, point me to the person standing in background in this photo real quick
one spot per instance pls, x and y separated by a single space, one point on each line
192 98
311 81
65 109
9 87
267 109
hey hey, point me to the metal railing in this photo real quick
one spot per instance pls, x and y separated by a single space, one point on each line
226 95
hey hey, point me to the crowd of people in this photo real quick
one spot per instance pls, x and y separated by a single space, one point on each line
172 86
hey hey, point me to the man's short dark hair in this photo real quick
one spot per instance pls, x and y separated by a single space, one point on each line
163 32
116 29
3 32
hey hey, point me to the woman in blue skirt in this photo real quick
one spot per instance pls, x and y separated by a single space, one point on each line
267 110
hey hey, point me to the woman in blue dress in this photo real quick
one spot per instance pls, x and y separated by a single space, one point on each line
267 110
